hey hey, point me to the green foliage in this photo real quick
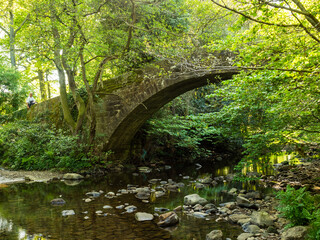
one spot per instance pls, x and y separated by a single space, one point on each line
184 130
12 93
184 136
38 146
314 231
274 103
298 206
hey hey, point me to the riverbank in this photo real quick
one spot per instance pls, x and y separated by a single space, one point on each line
10 177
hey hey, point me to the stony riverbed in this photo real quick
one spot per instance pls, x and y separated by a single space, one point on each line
148 203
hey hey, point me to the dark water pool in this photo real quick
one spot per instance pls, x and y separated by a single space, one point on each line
26 213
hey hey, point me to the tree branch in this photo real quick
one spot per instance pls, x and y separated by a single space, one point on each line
130 32
100 69
3 29
279 69
311 19
21 25
97 11
253 19
286 8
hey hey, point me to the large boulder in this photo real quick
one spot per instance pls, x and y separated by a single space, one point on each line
294 233
262 219
168 219
194 199
142 216
214 235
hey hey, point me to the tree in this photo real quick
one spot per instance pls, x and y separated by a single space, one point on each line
12 24
12 92
274 102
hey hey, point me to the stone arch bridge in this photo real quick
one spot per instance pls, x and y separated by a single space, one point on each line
126 102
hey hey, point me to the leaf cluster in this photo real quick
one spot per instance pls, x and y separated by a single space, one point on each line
301 208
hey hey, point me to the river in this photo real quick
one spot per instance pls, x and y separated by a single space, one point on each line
26 212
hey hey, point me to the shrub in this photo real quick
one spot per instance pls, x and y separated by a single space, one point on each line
298 206
314 232
301 208
34 146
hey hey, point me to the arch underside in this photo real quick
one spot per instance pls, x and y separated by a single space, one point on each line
120 140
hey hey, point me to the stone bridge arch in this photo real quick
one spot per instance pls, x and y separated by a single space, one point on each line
125 104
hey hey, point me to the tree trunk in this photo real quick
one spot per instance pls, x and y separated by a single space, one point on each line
12 36
48 85
43 92
62 79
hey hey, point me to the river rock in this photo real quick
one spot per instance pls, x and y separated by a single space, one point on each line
253 195
58 202
153 181
142 196
294 233
144 169
244 221
262 219
197 207
161 209
110 195
200 214
159 194
242 200
251 228
180 184
143 193
214 235
199 185
206 180
230 205
131 208
107 207
173 187
250 206
168 219
233 191
194 199
209 206
244 236
236 217
72 176
142 216
214 183
93 194
177 209
68 213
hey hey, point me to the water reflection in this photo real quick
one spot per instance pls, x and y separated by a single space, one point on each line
268 167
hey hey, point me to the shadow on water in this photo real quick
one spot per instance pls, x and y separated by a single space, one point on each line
26 213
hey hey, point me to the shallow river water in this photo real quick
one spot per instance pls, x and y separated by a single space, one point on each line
26 212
